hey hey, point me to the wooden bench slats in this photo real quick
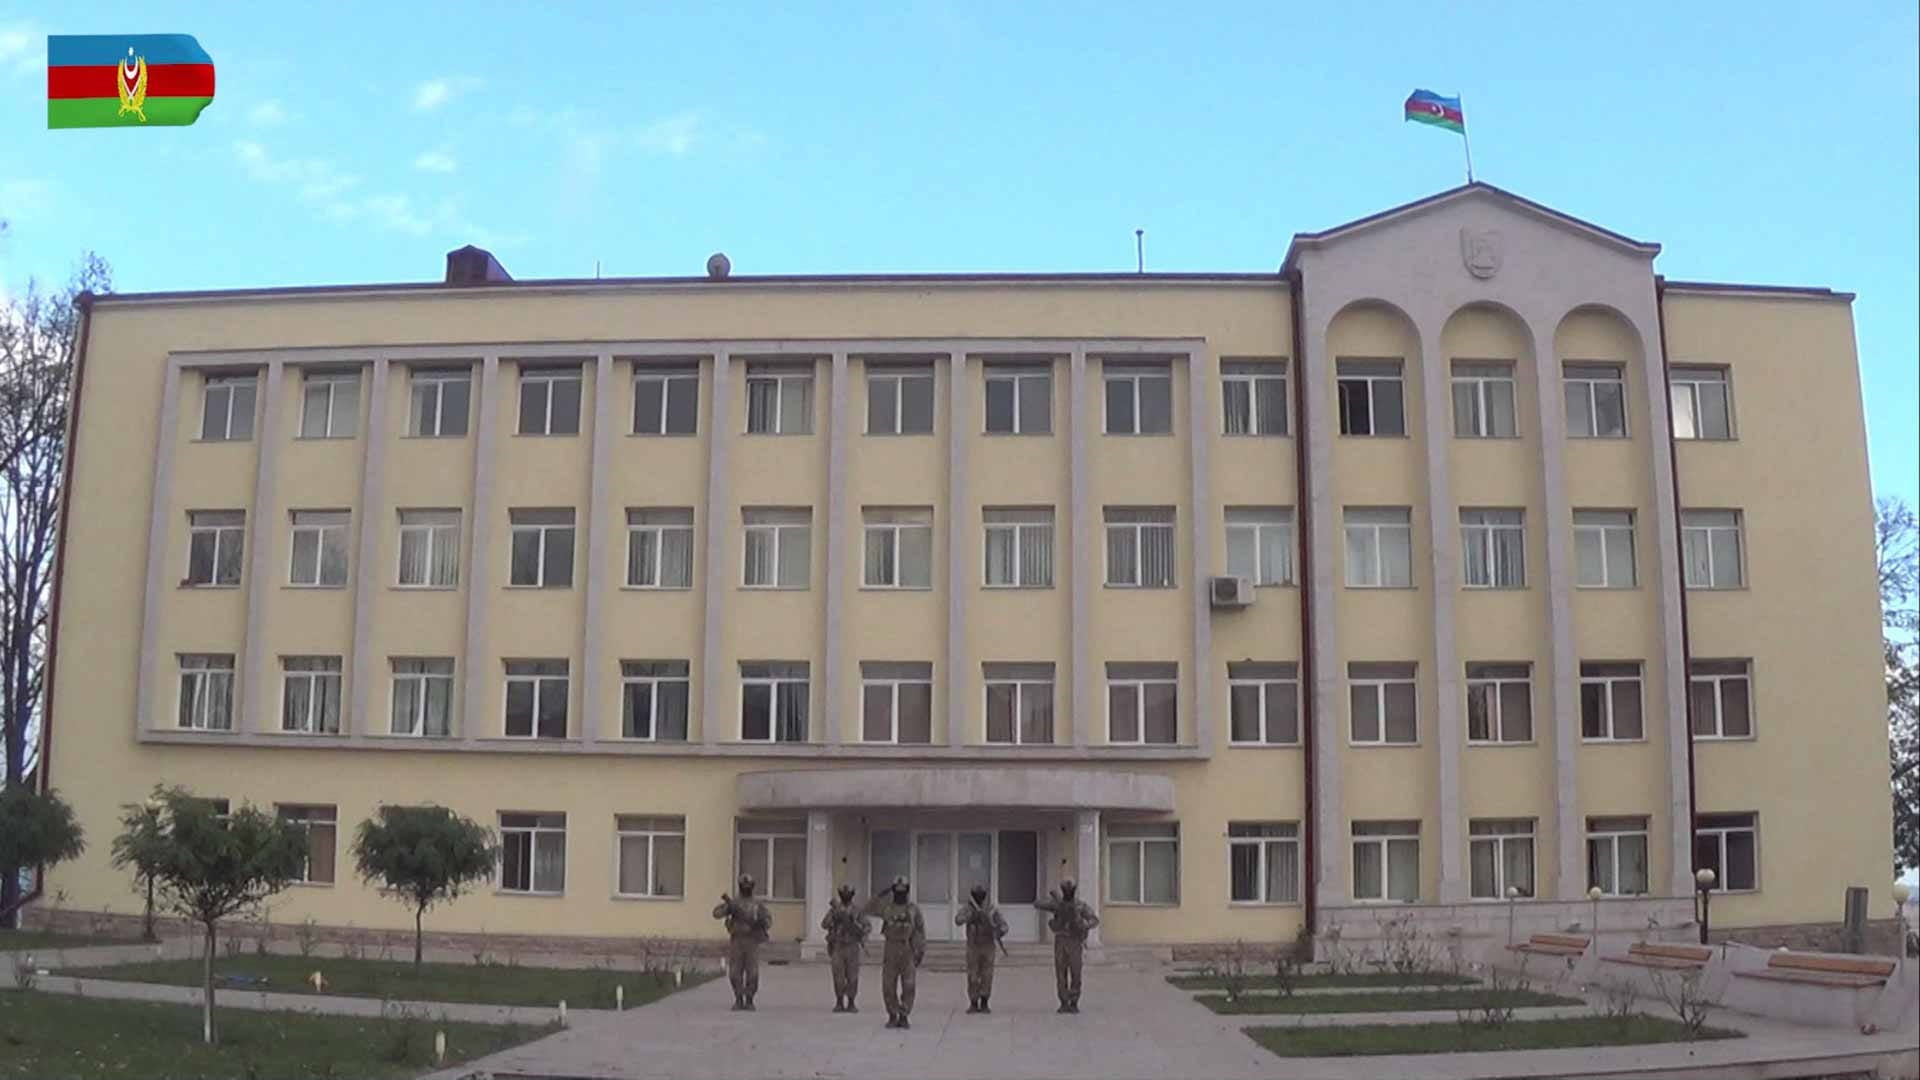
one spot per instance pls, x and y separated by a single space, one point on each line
1815 969
1666 957
1553 945
1812 978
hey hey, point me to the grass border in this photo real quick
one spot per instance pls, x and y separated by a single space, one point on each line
1571 1033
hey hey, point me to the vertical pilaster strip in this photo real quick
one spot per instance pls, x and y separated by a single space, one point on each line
819 875
714 563
593 658
1559 678
366 570
160 527
836 548
1201 514
1330 817
254 699
1086 835
1443 534
485 423
959 674
1083 694
1668 583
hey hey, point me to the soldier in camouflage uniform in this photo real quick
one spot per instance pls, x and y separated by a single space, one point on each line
748 921
846 929
905 932
985 927
1072 918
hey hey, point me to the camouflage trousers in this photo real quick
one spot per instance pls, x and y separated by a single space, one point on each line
845 963
743 966
980 957
897 978
1067 954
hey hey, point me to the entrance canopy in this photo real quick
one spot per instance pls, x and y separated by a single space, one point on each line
955 788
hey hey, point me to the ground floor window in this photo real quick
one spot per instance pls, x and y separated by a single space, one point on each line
319 824
533 853
1386 860
1501 853
652 855
1264 857
1728 845
774 851
1617 855
1143 863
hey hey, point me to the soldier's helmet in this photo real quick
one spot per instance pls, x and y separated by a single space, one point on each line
746 884
1067 887
846 892
900 882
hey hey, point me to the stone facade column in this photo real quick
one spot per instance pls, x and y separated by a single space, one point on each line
1559 678
1443 520
160 528
960 573
478 663
1083 690
714 563
601 529
1086 835
256 702
367 575
834 679
819 879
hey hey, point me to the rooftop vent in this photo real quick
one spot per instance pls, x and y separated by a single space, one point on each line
719 266
474 266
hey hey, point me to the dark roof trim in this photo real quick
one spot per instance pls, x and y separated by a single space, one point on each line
1805 292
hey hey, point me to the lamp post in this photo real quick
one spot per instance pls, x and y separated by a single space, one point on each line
1513 893
1901 891
1703 880
1593 897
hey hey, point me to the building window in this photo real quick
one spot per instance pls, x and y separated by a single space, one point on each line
1386 861
665 401
653 700
1483 401
533 853
1264 703
429 549
896 702
439 402
1610 702
1722 698
227 408
1500 857
779 400
1140 547
1019 703
1264 862
1143 863
899 547
1494 544
774 851
536 699
1371 401
1139 398
216 539
1711 545
1702 403
899 399
550 401
1596 401
1603 549
774 695
542 548
1379 547
310 694
319 548
652 853
319 823
1254 397
423 696
206 691
1499 703
1260 544
330 406
1019 547
1617 855
778 547
1382 704
1019 399
660 548
1728 845
1143 704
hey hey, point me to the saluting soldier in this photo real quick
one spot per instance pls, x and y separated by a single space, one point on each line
748 922
906 946
985 929
1071 921
846 928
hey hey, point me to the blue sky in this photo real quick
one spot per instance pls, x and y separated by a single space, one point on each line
1770 143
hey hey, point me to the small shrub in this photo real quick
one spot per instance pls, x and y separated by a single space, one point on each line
1286 972
306 937
1684 993
25 974
1233 973
1499 987
1617 1003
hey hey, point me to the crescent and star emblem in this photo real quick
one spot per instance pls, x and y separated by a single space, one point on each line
132 84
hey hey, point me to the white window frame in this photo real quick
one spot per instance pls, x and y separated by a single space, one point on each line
1585 378
1252 375
1019 688
227 528
434 382
1609 534
892 684
1379 685
775 834
668 380
435 529
541 682
892 380
1163 518
315 672
774 682
422 681
203 671
1018 378
1357 365
784 526
1016 521
1265 686
1638 679
1720 834
1139 683
657 828
1683 392
1384 841
1610 839
310 816
1492 681
782 424
340 419
327 527
1263 846
234 425
548 380
653 681
1140 836
658 522
1256 522
1135 377
1479 379
1692 534
1500 841
1718 680
888 526
540 530
542 826
1481 529
1374 520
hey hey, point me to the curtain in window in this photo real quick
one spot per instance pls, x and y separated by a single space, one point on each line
1000 706
1480 711
1589 557
1482 856
1283 713
1036 404
549 862
1245 870
1036 555
1466 407
1600 854
553 708
406 698
1237 395
1626 709
795 549
763 404
1516 712
1713 410
1243 553
1633 864
1473 543
439 718
1123 872
1725 545
328 690
1122 555
1244 710
669 866
1160 877
1036 714
1367 869
791 712
1516 855
1156 556
1396 557
320 846
1363 556
796 406
297 703
414 553
1509 557
633 865
1283 872
916 557
1610 408
643 553
880 558
1403 869
760 546
1000 549
1161 705
1271 395
789 867
1276 555
676 558
670 710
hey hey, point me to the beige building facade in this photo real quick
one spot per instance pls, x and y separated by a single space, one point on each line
1465 559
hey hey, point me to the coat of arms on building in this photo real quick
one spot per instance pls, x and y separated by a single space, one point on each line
1480 251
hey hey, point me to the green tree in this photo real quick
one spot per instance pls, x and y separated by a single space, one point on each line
37 830
212 865
424 855
140 847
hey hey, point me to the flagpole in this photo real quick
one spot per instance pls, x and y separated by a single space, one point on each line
1464 141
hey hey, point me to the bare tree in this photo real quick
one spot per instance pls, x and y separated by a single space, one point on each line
1898 544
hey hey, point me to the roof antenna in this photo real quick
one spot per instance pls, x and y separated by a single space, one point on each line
1139 251
596 269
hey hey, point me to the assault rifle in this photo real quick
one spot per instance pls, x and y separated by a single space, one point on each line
977 913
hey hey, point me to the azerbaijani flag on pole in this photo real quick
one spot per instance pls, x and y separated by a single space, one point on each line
130 80
1430 108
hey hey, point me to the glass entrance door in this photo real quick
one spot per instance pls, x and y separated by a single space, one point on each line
945 865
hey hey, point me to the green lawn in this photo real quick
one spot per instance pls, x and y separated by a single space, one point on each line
1349 1040
56 1037
20 940
1319 982
1415 1001
489 984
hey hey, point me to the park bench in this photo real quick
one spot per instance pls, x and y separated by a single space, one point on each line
1664 957
1553 945
1815 969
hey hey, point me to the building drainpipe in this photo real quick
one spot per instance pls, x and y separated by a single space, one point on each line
1680 537
1303 514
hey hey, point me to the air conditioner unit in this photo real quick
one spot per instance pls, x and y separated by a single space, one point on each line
1231 592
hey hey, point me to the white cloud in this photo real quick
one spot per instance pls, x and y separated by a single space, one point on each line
434 93
436 161
20 199
338 196
269 113
673 135
22 48
312 178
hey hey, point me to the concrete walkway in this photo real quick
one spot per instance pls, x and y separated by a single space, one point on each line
330 1004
